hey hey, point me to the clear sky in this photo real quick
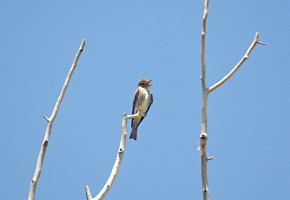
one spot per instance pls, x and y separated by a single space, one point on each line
248 118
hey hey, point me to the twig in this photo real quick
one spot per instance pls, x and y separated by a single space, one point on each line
244 58
118 160
50 121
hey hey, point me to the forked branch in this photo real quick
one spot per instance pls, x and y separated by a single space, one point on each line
203 132
118 160
243 59
206 91
50 121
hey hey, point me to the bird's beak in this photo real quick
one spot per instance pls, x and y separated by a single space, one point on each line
149 83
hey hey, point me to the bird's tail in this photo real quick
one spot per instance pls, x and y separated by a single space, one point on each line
133 134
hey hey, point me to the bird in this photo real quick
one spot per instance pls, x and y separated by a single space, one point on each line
143 100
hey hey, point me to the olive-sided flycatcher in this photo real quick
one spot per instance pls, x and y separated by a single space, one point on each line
142 100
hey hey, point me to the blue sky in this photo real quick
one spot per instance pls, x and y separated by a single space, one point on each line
248 118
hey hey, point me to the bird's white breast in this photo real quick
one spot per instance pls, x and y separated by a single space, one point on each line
145 101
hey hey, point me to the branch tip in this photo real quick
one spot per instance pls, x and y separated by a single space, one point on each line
257 35
262 43
210 158
257 39
83 44
88 193
46 118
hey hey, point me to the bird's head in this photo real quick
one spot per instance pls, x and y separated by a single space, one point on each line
144 83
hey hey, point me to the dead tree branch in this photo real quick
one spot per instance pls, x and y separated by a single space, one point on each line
50 121
203 134
206 91
118 160
243 59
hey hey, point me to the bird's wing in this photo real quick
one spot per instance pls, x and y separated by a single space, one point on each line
151 101
134 102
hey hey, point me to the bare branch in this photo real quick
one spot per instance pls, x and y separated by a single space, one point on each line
210 158
203 34
244 58
203 134
88 193
206 91
204 159
50 120
118 160
202 147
